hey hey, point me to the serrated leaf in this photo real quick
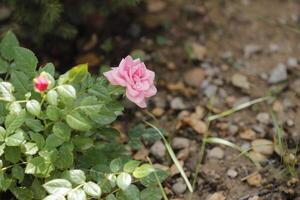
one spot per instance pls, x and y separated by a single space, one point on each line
3 66
66 91
38 139
18 173
62 131
131 165
92 189
58 186
17 122
15 139
66 157
15 108
30 148
53 141
52 97
151 193
12 154
2 134
22 83
77 194
25 60
78 122
131 193
124 180
39 167
7 45
75 176
6 90
76 74
143 171
33 107
34 124
53 113
116 165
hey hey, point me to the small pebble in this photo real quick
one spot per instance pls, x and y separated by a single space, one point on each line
180 143
248 134
292 62
216 153
158 149
240 81
178 104
179 187
216 196
263 146
232 173
263 118
278 74
254 180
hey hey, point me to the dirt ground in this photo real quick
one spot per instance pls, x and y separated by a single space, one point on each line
248 40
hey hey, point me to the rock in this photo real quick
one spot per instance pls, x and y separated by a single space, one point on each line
292 62
295 86
263 146
233 129
180 143
232 173
158 149
194 77
141 154
251 49
210 91
158 112
240 81
254 180
155 6
199 51
198 125
257 157
278 74
216 152
216 196
179 187
263 118
183 154
177 104
248 134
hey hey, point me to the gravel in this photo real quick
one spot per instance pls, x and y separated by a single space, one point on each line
278 74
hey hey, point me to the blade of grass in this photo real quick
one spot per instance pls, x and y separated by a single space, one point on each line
158 182
215 140
237 108
173 156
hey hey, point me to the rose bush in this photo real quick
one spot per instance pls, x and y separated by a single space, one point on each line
56 141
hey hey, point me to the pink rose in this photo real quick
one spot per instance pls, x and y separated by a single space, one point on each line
137 79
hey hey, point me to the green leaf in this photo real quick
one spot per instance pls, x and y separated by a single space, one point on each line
15 108
30 148
22 193
131 165
37 189
38 139
4 181
12 154
3 66
18 173
58 187
143 171
82 142
151 179
22 83
131 193
76 74
77 194
53 113
7 45
92 189
39 167
49 68
151 193
34 124
33 107
78 122
62 131
66 157
123 180
90 104
66 92
15 139
17 122
54 197
6 90
116 165
2 134
2 146
75 176
111 197
52 97
25 60
104 117
53 141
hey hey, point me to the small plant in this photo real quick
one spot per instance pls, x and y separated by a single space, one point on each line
55 138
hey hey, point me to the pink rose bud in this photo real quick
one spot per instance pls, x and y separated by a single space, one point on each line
41 83
136 78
